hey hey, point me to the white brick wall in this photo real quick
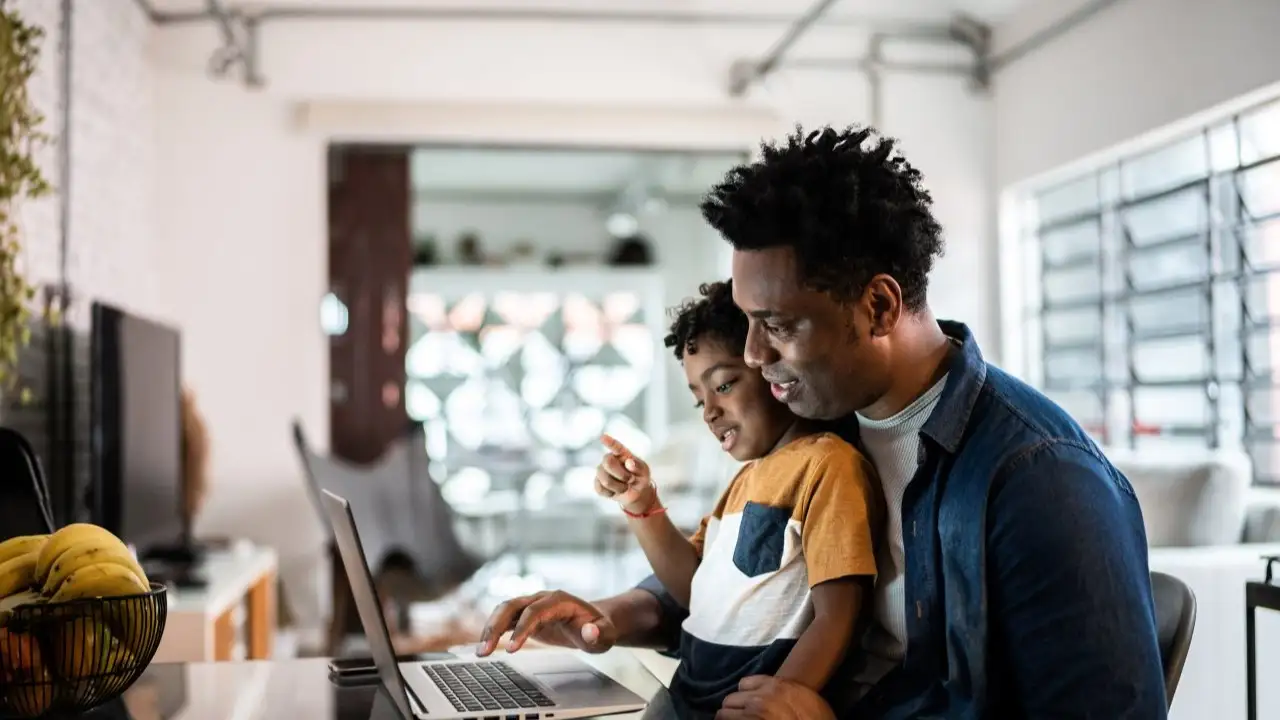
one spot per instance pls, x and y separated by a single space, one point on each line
112 252
39 218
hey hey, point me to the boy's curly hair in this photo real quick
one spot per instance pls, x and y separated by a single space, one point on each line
712 317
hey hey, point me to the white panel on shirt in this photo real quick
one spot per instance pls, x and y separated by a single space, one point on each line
729 608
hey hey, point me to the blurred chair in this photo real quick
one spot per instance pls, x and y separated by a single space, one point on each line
1175 624
406 527
24 497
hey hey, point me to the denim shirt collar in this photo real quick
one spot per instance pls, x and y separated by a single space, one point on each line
966 374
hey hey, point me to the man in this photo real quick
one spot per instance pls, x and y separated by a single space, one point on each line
1014 578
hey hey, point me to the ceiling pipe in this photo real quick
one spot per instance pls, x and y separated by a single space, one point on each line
975 35
239 43
242 49
875 84
534 15
1049 34
744 74
865 63
146 8
219 13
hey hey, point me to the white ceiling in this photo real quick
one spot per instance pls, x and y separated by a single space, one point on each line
992 11
511 171
499 171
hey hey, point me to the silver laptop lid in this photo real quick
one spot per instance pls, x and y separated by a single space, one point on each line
366 597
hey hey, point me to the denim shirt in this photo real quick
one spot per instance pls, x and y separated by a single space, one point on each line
1028 592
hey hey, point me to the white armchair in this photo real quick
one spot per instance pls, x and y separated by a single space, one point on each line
1209 527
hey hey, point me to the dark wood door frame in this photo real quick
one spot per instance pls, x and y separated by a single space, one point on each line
369 264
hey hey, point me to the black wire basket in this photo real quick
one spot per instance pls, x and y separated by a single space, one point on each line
60 660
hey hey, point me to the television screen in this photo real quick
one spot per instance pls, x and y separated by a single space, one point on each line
136 429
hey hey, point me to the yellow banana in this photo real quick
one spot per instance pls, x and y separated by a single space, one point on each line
21 545
100 580
90 553
18 574
15 601
83 648
67 538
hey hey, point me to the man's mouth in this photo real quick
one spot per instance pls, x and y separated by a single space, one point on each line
782 390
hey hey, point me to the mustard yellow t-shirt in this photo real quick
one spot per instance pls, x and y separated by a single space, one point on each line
803 515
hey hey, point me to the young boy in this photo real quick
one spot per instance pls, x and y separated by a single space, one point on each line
776 577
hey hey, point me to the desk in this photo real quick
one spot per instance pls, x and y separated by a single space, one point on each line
301 689
232 617
1263 595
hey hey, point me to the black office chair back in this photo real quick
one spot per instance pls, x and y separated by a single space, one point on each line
1175 623
24 497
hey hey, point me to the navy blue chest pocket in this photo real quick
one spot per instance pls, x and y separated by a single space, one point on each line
760 539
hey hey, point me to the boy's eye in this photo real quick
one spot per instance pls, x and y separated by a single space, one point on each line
724 387
698 405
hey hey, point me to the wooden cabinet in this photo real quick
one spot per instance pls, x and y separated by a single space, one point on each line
232 618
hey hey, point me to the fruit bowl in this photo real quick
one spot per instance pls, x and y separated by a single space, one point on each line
62 659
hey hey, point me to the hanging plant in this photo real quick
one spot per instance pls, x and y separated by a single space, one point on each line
20 178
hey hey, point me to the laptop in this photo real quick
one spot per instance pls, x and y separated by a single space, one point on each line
527 685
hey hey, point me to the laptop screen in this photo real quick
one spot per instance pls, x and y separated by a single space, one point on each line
361 581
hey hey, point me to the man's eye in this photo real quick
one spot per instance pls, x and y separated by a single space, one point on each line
724 388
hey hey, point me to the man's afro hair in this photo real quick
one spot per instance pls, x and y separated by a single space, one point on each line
845 202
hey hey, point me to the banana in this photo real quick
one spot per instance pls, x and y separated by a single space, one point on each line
90 553
100 580
21 545
15 601
18 574
69 537
83 648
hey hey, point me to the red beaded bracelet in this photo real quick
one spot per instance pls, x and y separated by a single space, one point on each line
646 514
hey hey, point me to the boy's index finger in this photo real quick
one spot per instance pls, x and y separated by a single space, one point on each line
614 446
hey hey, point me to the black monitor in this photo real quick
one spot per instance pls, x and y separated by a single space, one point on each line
135 425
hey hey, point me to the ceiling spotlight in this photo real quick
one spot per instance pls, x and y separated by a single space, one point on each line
622 224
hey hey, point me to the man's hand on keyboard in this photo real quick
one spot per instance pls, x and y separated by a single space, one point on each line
554 617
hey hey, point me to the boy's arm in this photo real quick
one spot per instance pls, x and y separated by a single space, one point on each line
836 607
841 517
673 557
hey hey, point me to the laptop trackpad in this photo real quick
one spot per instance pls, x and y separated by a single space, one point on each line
573 682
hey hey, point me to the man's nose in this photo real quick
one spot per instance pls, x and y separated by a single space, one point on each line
757 353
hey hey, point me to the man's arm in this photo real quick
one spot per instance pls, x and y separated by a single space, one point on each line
1071 606
663 614
639 617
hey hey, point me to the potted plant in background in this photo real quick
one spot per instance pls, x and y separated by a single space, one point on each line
20 179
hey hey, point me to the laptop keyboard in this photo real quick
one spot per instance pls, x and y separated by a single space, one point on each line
480 686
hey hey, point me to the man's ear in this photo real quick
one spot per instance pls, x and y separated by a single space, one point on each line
883 300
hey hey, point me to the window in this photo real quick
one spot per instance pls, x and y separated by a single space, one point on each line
543 361
1154 292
